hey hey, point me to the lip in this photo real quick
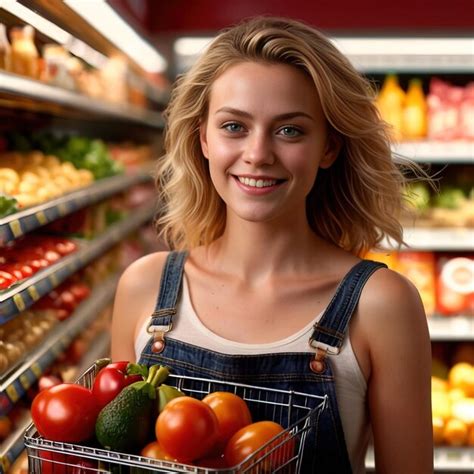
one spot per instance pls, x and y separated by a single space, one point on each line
253 191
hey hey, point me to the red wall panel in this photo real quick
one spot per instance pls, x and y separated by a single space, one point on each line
180 16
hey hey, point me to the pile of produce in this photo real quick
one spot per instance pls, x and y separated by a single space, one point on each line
82 152
130 409
22 258
453 406
30 178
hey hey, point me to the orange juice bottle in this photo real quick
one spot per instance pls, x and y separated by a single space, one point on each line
415 112
390 102
24 53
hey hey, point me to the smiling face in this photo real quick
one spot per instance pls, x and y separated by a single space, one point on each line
265 137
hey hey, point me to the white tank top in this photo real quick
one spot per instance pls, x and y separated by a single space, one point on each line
351 386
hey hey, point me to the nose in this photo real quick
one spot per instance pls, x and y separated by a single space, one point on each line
258 149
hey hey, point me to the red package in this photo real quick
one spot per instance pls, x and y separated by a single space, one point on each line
455 285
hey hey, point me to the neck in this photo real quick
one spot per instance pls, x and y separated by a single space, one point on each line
256 252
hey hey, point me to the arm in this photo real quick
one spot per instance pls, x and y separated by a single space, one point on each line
135 300
399 386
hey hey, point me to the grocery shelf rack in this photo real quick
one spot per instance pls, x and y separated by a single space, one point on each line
457 328
18 87
24 294
22 222
446 459
19 379
423 151
449 238
14 444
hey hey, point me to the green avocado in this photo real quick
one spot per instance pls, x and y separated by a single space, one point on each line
126 422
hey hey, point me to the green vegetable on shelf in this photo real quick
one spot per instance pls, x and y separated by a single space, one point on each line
419 196
8 205
450 198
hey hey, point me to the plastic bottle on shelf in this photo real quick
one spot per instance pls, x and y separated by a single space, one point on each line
415 112
25 57
390 102
5 50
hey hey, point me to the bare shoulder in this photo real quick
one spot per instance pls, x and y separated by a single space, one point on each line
143 273
391 311
388 293
135 297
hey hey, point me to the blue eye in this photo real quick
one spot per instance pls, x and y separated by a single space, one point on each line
290 132
233 127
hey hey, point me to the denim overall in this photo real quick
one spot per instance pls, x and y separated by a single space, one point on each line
307 372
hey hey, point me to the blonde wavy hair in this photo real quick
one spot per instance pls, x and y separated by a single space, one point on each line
354 204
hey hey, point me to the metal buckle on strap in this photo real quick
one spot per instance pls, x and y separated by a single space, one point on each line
151 329
330 350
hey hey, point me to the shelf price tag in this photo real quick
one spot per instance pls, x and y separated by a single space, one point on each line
12 393
54 280
33 292
41 218
63 209
25 381
19 301
36 369
15 227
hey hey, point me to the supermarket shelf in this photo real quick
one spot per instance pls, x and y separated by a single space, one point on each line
449 238
454 328
437 151
21 87
404 54
23 295
17 383
66 18
20 223
446 459
14 444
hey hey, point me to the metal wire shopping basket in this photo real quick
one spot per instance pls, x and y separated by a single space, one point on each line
297 412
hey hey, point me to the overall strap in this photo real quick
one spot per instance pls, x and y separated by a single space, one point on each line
170 287
330 330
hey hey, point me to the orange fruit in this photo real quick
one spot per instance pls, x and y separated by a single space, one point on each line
461 375
470 436
455 432
438 430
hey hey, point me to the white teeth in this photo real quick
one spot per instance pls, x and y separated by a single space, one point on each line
257 183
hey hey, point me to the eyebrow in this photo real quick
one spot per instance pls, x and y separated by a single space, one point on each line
285 116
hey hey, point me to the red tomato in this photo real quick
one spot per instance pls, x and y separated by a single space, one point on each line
37 263
232 413
109 382
119 365
251 438
6 280
48 381
155 451
80 291
66 301
66 412
55 463
52 256
187 428
65 247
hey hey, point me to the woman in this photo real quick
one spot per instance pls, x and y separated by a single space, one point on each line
278 177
